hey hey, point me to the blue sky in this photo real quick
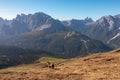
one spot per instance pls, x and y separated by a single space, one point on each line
60 9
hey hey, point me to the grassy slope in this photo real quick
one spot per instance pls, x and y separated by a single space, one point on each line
93 67
51 59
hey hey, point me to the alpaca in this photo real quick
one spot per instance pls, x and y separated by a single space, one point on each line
50 65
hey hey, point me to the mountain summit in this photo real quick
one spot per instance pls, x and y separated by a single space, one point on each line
105 29
41 31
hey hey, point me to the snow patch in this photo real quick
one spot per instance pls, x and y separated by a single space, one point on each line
119 28
69 34
118 34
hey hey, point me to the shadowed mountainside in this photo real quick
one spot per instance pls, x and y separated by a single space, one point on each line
11 56
67 43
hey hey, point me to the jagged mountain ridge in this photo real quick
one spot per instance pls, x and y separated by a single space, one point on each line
105 29
77 25
31 22
41 31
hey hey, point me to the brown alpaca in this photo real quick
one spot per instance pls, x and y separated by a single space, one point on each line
50 65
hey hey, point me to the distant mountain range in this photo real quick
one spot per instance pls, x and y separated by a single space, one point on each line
69 38
105 29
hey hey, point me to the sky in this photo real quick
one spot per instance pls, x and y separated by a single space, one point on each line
60 9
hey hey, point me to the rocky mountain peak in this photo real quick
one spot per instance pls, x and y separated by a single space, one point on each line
107 21
41 14
2 21
117 16
87 19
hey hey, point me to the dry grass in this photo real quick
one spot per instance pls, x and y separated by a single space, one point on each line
101 66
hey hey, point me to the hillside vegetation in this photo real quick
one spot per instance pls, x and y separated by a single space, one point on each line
100 66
